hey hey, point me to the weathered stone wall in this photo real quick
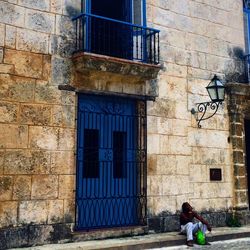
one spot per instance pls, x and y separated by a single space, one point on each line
198 39
37 121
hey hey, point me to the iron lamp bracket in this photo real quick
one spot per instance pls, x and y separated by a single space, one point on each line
202 108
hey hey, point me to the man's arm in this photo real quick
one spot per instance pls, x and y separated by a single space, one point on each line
201 219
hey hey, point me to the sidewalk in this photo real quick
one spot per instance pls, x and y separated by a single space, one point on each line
146 241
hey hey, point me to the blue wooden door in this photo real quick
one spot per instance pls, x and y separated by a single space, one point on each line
106 194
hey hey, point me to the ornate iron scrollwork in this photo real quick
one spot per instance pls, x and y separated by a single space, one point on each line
202 109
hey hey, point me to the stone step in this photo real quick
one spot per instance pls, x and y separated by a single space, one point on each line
146 241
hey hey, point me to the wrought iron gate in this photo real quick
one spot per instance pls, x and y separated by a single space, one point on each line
111 162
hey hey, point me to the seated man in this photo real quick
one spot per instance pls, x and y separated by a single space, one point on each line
187 224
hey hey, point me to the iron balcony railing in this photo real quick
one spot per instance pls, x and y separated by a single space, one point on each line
106 36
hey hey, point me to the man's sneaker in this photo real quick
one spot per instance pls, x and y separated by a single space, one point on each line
190 243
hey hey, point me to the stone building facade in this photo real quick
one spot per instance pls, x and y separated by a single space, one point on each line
42 82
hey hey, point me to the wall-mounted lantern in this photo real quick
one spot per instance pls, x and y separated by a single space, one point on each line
216 91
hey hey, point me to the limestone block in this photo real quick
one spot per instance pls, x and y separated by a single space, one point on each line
162 89
26 63
199 74
182 57
61 70
212 138
216 64
173 38
164 18
181 110
182 164
175 185
8 112
22 188
46 67
153 143
66 186
179 145
197 60
222 4
44 187
67 138
180 7
69 210
35 4
56 6
213 190
161 108
151 164
164 204
1 55
166 165
33 212
8 213
6 185
175 70
63 162
35 114
62 46
218 47
185 23
12 14
2 153
200 26
215 204
44 137
197 43
152 124
14 136
10 37
176 88
222 123
155 185
180 128
168 53
55 211
2 34
164 144
11 1
26 162
16 88
164 126
40 21
136 89
198 86
199 10
29 40
45 93
65 27
199 173
6 68
63 116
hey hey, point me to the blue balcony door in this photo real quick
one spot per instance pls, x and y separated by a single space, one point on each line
107 175
108 37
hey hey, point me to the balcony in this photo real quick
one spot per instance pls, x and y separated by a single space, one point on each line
118 39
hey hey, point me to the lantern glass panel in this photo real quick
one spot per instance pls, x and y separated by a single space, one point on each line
221 94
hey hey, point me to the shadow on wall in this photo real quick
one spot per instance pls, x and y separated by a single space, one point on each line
236 69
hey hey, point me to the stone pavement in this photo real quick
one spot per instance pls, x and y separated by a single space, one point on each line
236 244
148 241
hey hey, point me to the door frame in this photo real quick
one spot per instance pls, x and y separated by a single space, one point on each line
141 164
